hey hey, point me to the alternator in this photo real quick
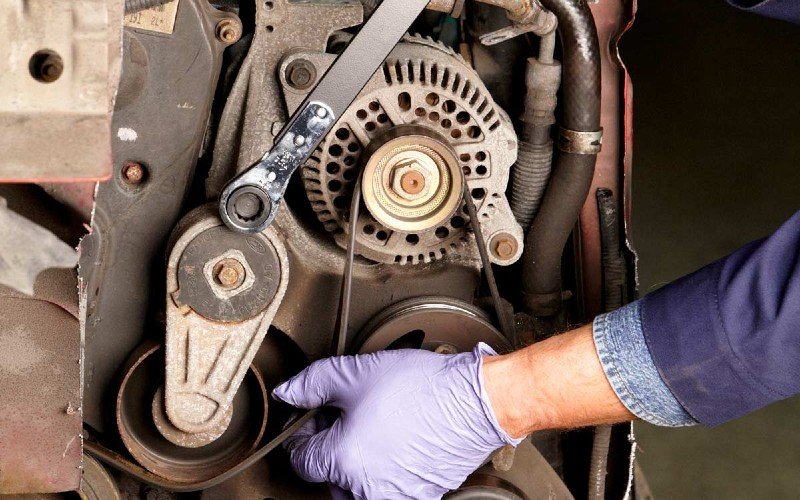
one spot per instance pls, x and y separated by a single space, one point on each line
423 119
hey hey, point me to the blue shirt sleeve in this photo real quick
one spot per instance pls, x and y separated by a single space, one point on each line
726 339
787 10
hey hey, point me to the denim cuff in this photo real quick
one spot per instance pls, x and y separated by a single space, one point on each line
628 364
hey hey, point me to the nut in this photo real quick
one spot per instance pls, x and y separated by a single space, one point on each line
229 273
229 30
504 246
133 173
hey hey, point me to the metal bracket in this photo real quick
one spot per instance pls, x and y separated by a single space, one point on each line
580 143
537 20
250 202
211 341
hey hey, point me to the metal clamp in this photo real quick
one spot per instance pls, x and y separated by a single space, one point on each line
580 143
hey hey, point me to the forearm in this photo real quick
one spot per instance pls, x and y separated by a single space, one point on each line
554 384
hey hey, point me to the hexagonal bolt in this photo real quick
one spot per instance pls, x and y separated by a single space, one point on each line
504 246
301 74
229 30
229 274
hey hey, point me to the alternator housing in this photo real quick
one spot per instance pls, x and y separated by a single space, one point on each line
426 85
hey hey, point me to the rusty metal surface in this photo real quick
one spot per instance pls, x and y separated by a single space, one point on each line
59 70
160 121
612 18
40 386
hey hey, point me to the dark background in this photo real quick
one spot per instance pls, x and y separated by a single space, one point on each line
716 164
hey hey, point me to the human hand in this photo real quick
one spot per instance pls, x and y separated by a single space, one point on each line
413 424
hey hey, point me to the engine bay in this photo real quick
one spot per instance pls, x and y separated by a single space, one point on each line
462 197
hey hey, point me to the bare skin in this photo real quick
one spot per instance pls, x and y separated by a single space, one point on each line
555 384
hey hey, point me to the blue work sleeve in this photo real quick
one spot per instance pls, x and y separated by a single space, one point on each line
787 10
726 339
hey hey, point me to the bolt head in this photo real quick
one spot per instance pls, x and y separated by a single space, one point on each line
133 173
412 182
301 74
229 31
504 246
229 274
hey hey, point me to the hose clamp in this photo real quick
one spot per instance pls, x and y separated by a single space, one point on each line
580 143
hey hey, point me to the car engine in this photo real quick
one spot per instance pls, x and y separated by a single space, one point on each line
460 196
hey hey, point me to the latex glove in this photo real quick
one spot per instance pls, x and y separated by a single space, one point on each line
413 424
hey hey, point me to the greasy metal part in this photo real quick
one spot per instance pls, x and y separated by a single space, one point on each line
428 323
424 84
59 71
213 335
96 482
26 249
134 412
40 386
580 143
254 113
329 99
160 121
412 180
530 478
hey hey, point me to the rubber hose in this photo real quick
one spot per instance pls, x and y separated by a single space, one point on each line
530 175
133 6
572 176
614 296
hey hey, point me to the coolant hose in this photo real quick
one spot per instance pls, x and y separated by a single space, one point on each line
574 169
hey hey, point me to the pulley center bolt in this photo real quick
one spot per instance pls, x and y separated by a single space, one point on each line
413 178
412 182
229 273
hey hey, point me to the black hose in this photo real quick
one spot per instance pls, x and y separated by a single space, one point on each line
133 6
614 296
572 176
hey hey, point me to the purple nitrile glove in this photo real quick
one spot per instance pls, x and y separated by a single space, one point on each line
413 424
